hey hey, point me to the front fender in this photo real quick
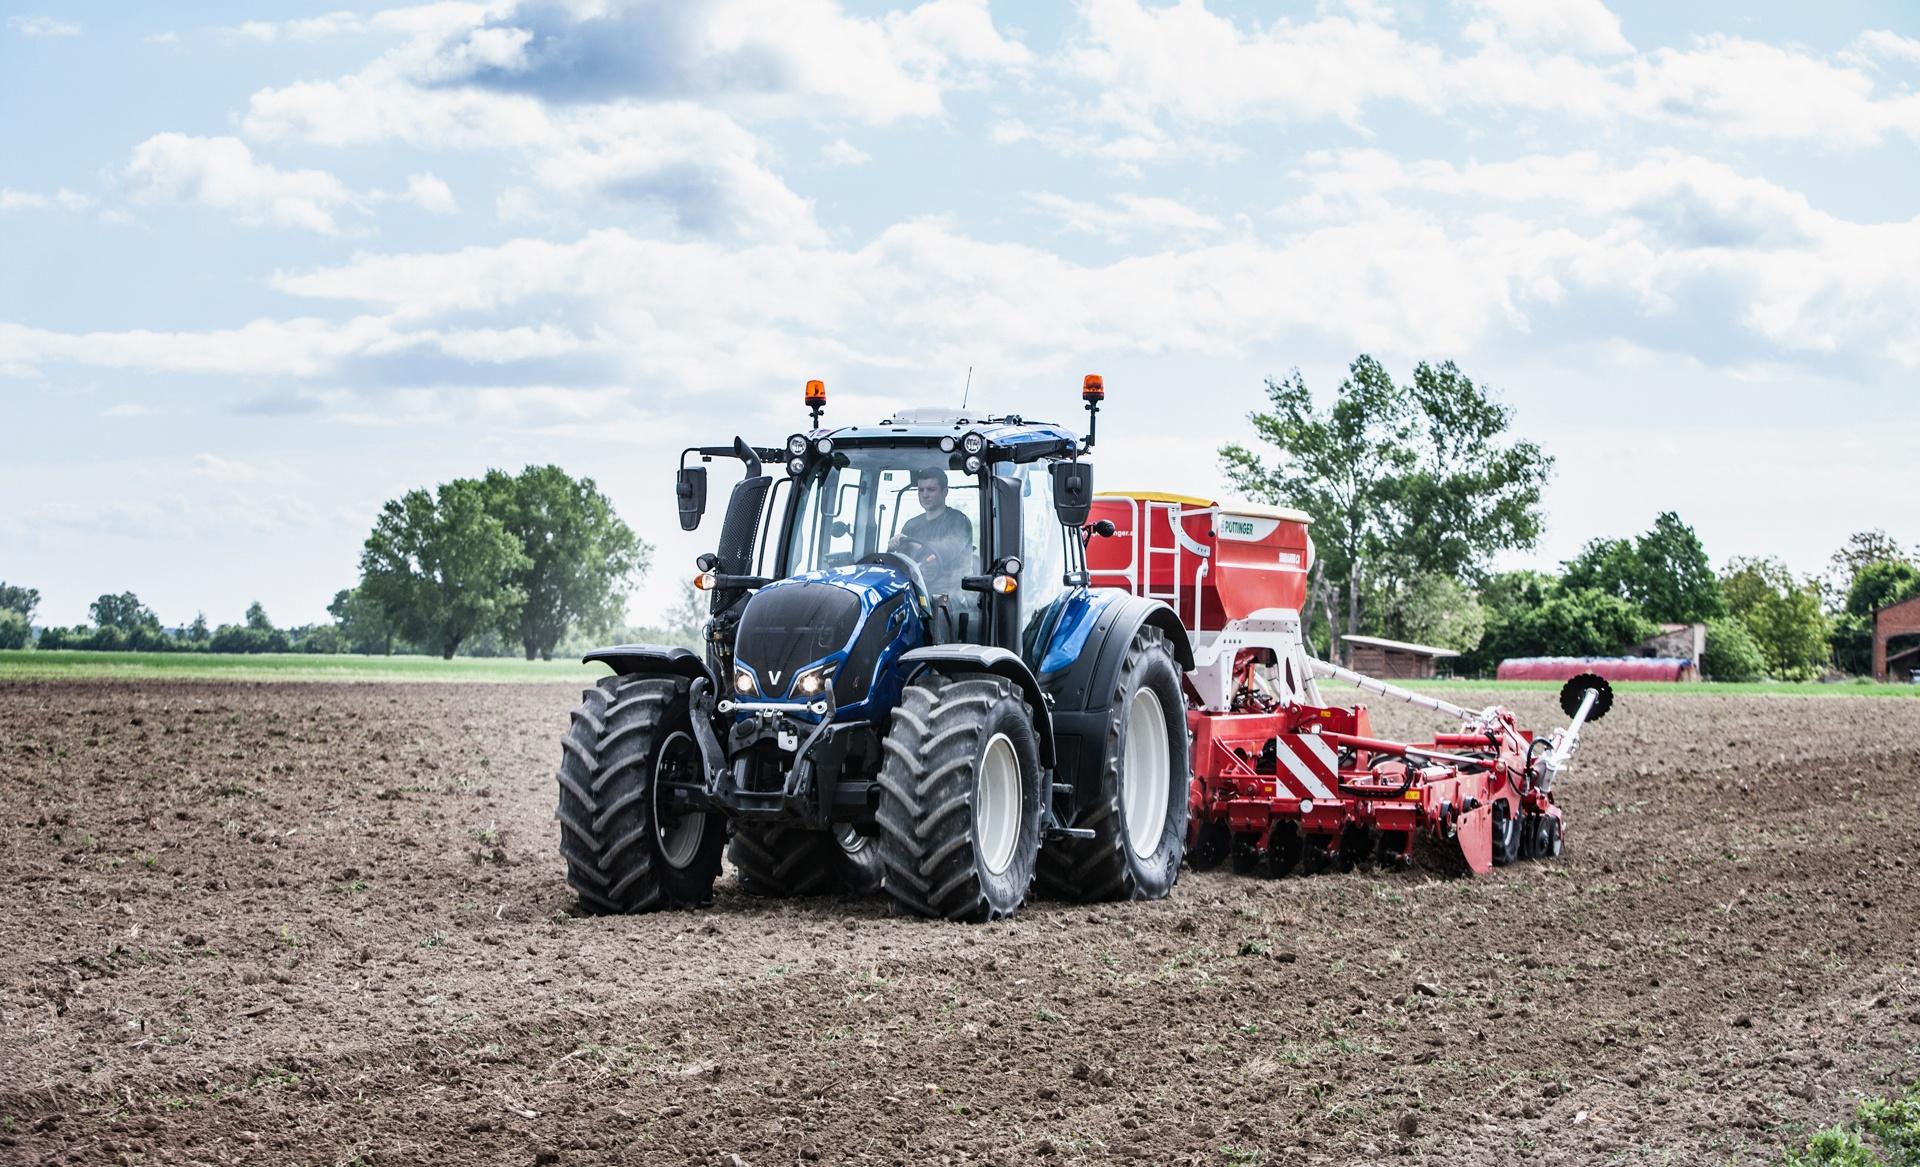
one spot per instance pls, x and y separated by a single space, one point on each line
657 659
976 658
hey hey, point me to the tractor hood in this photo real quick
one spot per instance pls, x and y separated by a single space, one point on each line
826 630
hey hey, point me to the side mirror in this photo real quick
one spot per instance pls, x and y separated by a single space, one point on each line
1072 492
690 489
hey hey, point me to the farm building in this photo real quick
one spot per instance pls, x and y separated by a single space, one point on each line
1392 658
1684 641
1901 619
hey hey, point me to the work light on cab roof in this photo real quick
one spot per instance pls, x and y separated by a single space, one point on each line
816 399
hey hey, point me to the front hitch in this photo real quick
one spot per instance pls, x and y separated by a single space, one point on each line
713 759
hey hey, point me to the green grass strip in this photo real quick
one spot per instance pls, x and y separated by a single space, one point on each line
71 664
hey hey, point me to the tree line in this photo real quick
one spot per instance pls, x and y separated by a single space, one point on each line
532 563
1414 489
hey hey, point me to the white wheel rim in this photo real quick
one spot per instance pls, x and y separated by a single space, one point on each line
1145 775
996 805
680 842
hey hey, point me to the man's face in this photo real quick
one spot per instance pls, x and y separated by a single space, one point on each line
933 493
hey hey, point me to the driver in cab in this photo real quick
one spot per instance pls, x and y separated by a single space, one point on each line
940 539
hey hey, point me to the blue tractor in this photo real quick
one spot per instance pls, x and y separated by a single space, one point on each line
908 686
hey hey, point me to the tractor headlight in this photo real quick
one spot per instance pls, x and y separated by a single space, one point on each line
742 681
797 467
947 445
973 443
797 445
823 447
813 682
973 465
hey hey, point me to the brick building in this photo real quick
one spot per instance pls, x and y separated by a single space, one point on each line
1901 619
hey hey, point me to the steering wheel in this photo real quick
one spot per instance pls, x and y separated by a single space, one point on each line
922 553
908 568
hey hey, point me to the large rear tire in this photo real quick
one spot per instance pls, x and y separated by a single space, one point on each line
776 859
959 807
626 848
1138 808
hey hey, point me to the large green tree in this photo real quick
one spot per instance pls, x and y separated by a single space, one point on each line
1665 573
1861 550
1402 481
125 612
363 624
19 599
1472 491
441 566
1784 615
578 558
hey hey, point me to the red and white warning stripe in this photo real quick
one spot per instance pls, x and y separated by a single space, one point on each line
1307 766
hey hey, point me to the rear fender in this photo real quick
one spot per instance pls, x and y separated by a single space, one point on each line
1083 689
1104 633
975 658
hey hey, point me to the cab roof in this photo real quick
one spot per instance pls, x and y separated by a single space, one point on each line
1024 440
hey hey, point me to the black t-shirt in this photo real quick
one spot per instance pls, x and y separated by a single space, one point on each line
950 534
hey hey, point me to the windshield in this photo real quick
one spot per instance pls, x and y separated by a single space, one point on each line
910 501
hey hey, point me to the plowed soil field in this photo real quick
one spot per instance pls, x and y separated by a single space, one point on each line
326 923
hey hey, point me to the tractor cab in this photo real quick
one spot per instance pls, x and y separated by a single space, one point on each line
961 507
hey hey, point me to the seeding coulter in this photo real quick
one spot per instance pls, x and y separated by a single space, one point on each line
1285 780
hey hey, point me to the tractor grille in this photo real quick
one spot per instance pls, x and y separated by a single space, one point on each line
788 628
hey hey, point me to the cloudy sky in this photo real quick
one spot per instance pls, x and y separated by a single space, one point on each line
261 270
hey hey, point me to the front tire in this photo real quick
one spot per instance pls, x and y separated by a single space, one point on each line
959 807
1138 808
626 848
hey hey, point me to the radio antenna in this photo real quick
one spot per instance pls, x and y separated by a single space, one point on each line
968 391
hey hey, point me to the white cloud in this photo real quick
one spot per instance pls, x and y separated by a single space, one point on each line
221 173
129 409
162 38
42 26
698 163
646 102
1158 73
1194 65
221 469
841 152
431 194
1888 45
1131 214
1577 26
301 347
21 200
1690 201
770 58
1747 89
308 29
